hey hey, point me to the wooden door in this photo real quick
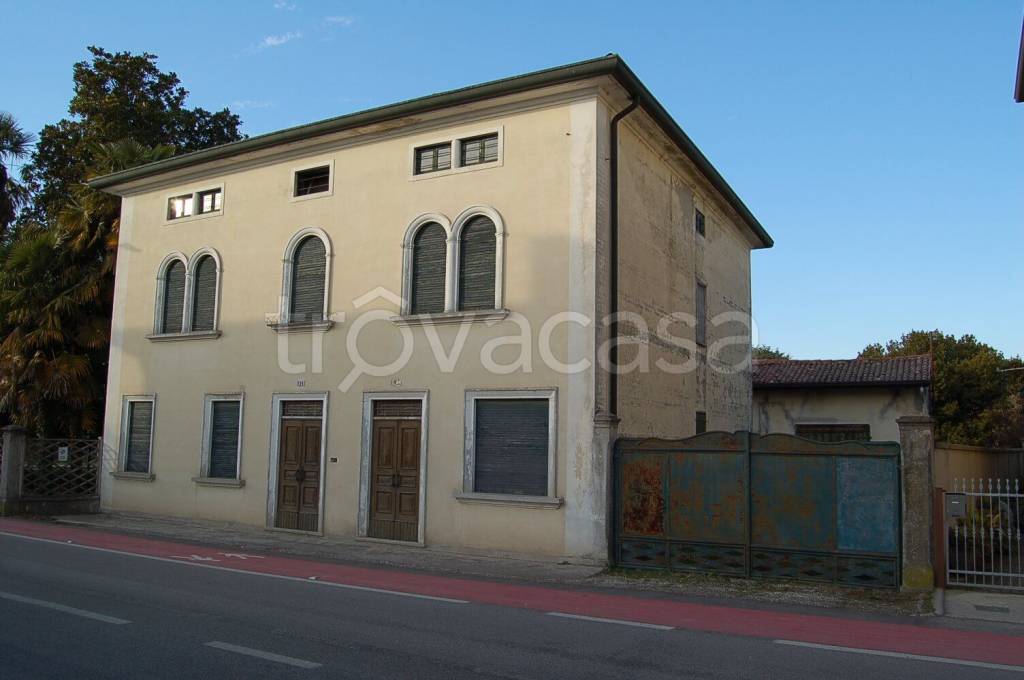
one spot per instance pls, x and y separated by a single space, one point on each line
395 472
298 476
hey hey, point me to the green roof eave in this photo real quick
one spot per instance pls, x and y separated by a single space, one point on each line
611 65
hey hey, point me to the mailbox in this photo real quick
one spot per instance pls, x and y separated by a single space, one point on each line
956 505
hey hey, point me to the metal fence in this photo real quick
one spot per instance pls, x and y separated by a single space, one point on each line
984 529
57 469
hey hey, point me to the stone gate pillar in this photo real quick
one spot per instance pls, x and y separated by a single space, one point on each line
10 469
917 442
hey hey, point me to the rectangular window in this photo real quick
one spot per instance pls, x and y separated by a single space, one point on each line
835 433
209 201
313 181
179 206
702 422
222 436
702 314
510 448
477 150
433 158
698 223
137 435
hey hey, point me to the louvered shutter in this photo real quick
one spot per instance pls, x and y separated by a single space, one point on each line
204 295
309 266
428 269
224 420
174 298
476 264
511 441
140 427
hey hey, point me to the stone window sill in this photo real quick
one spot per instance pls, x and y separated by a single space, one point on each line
174 337
489 315
510 500
301 327
134 476
219 481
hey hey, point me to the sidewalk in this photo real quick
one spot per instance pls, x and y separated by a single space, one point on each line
986 606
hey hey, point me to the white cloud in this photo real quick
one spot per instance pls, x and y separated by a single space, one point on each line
242 104
278 40
283 4
339 21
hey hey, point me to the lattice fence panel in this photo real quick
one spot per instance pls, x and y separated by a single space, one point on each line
61 468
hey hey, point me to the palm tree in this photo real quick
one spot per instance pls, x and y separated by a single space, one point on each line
56 294
14 144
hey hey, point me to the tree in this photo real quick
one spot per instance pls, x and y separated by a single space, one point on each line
14 145
769 352
57 275
117 96
975 400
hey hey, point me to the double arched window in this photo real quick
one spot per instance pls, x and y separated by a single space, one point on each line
188 292
453 268
305 279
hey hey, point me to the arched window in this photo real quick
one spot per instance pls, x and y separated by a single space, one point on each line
429 260
172 318
477 264
204 294
306 302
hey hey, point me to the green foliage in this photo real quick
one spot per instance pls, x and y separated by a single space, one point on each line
975 399
14 145
57 269
769 352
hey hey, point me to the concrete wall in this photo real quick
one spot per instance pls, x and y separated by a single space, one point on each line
955 463
661 260
781 410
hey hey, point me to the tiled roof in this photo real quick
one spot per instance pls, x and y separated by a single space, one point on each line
910 370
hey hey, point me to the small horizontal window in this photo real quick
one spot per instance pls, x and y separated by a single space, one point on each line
477 150
313 181
209 201
433 158
835 433
179 206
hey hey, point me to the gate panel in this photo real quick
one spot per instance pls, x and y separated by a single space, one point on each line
751 505
985 534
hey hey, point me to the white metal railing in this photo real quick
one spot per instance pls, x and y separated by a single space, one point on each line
984 534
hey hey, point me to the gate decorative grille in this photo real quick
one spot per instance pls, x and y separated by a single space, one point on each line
61 469
749 505
984 529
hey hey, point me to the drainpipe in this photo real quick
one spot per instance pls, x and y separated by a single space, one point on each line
613 256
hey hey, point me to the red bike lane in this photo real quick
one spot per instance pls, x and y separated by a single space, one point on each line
917 639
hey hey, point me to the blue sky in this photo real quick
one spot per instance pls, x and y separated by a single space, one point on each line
878 142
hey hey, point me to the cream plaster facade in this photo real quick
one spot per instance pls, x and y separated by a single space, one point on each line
549 191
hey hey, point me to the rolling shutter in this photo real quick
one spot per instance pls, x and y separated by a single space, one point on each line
140 428
174 298
428 269
224 420
309 266
511 439
204 296
476 264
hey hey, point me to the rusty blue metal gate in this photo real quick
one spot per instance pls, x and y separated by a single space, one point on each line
759 505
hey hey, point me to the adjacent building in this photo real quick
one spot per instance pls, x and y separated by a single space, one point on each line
839 400
391 324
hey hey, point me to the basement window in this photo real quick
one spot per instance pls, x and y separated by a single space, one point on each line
313 181
433 158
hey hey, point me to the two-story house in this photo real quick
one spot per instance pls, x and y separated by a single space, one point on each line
395 324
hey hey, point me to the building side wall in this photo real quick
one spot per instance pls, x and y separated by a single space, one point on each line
668 377
781 410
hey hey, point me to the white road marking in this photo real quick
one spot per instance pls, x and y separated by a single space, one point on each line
621 622
63 608
203 565
901 655
260 654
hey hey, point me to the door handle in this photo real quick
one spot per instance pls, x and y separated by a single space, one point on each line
300 475
396 481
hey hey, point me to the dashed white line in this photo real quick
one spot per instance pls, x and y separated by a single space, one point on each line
901 655
63 608
621 622
202 565
260 654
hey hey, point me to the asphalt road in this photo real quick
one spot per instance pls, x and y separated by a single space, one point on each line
73 613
